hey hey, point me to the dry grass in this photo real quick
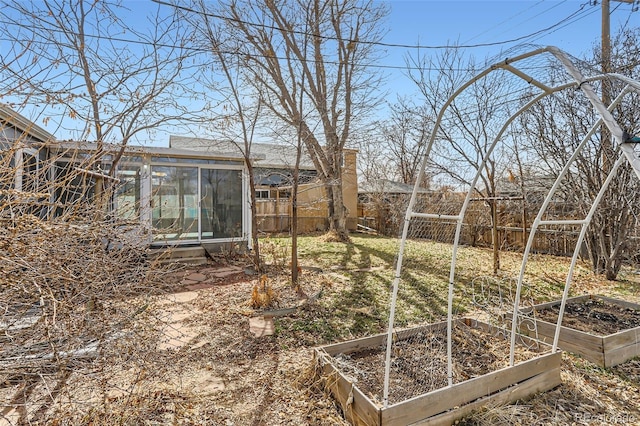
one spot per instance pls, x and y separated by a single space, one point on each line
170 356
224 375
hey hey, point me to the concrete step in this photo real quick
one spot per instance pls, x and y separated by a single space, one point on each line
193 255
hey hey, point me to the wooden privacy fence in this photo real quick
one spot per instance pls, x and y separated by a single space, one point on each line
549 241
282 224
274 216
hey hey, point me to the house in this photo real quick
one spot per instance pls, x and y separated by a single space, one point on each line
23 139
176 197
273 169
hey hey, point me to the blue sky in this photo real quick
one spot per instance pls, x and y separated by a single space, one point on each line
472 22
486 28
571 25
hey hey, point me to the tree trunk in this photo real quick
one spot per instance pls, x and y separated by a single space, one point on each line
254 223
337 213
494 236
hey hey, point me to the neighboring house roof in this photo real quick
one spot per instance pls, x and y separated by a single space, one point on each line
265 155
147 150
20 122
388 186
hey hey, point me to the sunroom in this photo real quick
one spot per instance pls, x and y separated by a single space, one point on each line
173 196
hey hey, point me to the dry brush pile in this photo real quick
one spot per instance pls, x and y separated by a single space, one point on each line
75 288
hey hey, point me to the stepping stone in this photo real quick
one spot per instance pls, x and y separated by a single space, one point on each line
196 277
176 336
209 385
261 326
214 269
183 297
227 273
177 316
200 286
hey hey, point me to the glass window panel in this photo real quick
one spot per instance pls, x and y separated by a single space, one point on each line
128 192
71 187
29 173
221 203
131 159
7 171
175 203
34 182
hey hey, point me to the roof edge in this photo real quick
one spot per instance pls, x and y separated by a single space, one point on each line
19 121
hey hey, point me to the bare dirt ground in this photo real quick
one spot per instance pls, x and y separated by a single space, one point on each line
594 316
222 361
233 370
217 370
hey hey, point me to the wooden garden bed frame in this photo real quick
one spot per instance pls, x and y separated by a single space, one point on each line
441 406
605 351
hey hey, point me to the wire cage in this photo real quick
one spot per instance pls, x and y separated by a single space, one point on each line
516 161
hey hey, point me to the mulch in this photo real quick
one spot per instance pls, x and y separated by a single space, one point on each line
593 316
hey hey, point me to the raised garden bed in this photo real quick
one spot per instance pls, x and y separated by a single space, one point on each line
353 372
602 330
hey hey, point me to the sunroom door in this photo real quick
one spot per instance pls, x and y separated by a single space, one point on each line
175 203
220 203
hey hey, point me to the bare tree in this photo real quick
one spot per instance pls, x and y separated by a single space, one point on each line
241 105
100 78
404 139
329 74
556 126
373 164
467 134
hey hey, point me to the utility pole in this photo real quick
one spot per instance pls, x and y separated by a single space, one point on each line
607 145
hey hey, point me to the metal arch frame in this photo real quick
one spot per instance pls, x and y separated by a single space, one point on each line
584 225
608 120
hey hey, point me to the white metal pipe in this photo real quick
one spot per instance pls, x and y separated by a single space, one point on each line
435 216
576 252
538 219
459 219
485 159
562 222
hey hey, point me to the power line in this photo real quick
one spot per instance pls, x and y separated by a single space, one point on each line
374 43
573 17
229 52
585 14
577 17
512 17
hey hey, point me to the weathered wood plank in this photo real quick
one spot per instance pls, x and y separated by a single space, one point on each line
574 341
606 351
621 354
357 407
356 345
619 302
554 303
441 400
627 337
540 383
